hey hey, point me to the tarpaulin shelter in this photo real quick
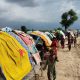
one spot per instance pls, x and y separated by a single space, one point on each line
22 44
43 36
28 40
50 35
14 60
6 29
30 43
10 31
60 33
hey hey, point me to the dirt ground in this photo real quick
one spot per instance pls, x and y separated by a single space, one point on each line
68 67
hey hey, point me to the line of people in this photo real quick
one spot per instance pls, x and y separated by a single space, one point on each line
52 57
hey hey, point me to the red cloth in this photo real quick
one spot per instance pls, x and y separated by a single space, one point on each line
21 52
46 55
51 58
54 46
54 43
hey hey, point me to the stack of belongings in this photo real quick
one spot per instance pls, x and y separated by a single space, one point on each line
20 54
45 43
43 36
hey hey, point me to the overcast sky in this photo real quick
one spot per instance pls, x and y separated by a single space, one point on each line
36 13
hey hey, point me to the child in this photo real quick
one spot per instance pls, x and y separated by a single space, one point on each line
51 73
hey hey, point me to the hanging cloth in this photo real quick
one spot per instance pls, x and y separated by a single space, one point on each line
14 58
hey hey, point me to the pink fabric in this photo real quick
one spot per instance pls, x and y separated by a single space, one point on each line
37 57
26 39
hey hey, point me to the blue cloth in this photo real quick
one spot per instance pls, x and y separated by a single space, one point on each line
34 49
6 29
22 43
37 40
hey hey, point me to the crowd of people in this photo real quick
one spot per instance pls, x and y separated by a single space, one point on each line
52 57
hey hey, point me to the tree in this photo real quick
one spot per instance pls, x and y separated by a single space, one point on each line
68 18
24 29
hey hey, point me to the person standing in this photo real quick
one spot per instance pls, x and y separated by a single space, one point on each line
54 46
69 41
51 61
62 42
75 41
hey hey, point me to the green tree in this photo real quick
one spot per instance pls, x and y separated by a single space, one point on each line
24 29
68 18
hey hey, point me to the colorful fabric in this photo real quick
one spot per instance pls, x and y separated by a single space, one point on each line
23 44
29 42
25 37
6 29
19 40
14 65
54 46
43 36
37 58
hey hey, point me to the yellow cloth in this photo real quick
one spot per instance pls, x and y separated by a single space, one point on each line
14 65
43 36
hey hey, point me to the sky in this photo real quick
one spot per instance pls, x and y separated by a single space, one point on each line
36 14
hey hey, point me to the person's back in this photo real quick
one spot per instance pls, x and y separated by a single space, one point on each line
54 45
62 42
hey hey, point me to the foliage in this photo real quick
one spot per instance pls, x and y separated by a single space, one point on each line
68 18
